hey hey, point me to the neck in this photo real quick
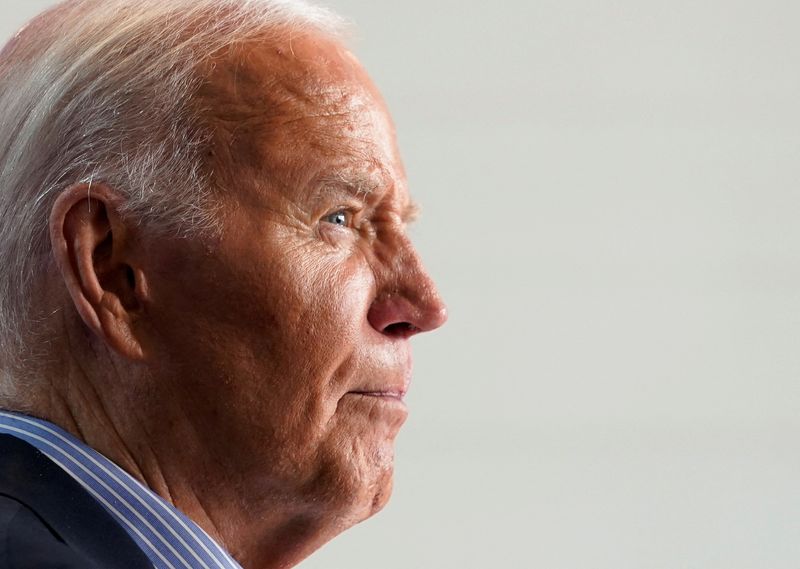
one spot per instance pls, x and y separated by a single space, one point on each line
160 449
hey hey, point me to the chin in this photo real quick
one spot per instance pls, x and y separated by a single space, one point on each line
361 504
353 490
352 470
381 496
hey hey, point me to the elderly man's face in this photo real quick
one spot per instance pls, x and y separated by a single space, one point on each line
286 341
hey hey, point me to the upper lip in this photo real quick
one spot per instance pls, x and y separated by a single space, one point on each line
388 373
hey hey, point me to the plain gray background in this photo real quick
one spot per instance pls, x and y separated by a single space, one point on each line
610 194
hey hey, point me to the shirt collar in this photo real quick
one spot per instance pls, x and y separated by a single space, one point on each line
169 538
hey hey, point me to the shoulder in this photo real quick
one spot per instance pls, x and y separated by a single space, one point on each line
27 542
48 520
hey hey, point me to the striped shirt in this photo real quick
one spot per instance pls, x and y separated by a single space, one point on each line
168 538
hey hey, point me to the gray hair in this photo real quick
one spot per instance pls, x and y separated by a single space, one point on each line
101 91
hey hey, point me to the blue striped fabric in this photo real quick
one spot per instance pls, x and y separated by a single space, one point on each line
168 537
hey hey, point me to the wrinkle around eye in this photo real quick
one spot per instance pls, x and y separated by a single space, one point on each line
337 234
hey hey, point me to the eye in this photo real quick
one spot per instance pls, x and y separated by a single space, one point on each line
342 217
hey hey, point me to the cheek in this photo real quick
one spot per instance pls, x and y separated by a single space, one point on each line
316 309
316 357
336 297
331 276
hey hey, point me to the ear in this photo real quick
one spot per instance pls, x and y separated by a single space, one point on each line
92 248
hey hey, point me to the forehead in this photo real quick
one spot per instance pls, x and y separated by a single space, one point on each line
299 108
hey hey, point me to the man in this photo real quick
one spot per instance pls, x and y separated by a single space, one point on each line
207 291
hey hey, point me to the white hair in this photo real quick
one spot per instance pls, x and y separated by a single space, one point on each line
100 91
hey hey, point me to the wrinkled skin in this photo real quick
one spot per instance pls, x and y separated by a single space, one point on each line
274 356
291 312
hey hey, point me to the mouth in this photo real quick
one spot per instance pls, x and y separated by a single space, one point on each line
391 394
387 404
389 384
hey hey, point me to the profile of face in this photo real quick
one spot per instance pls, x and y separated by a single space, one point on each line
285 339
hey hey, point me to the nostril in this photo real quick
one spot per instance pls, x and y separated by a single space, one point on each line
401 329
400 317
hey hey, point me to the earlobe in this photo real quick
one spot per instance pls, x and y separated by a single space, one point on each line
91 247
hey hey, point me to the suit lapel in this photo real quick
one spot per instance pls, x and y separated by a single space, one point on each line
28 476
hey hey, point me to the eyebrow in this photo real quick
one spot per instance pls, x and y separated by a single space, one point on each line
360 186
411 212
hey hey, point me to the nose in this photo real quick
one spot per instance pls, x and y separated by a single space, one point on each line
408 302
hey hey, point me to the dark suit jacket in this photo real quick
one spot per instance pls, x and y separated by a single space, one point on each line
48 521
